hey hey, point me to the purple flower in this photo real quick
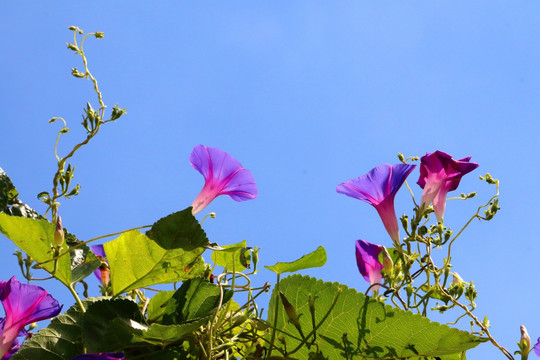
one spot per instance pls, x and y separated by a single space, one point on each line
439 174
223 175
378 188
536 348
23 304
102 273
100 356
367 259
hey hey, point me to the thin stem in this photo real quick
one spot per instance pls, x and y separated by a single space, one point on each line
276 299
76 296
478 322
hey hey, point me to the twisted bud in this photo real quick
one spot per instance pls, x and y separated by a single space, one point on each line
59 232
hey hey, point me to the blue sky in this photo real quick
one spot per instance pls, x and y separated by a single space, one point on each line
306 95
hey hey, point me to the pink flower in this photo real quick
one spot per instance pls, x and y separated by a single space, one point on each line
23 304
367 259
439 174
378 188
223 175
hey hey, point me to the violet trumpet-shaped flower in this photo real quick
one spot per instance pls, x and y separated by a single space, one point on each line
102 273
367 259
223 175
378 188
23 304
101 356
439 174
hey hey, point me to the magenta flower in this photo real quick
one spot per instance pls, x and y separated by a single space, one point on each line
378 188
223 175
367 259
439 174
102 273
23 304
100 356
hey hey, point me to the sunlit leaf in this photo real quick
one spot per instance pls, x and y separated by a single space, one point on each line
316 258
231 254
36 238
137 261
358 327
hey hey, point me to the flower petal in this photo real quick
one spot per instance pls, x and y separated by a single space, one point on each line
536 348
26 303
213 163
241 186
367 259
439 174
23 304
378 188
223 175
378 184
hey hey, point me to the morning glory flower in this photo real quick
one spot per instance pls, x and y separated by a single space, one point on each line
223 175
102 273
439 174
100 356
23 304
378 188
367 259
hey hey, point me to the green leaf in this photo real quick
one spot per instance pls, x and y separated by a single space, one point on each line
110 325
316 258
359 327
178 230
36 238
156 306
137 261
231 254
82 271
61 340
196 298
165 335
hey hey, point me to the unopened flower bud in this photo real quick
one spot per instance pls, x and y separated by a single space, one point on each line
457 279
525 340
72 47
388 264
19 256
291 312
99 34
104 275
405 221
59 232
